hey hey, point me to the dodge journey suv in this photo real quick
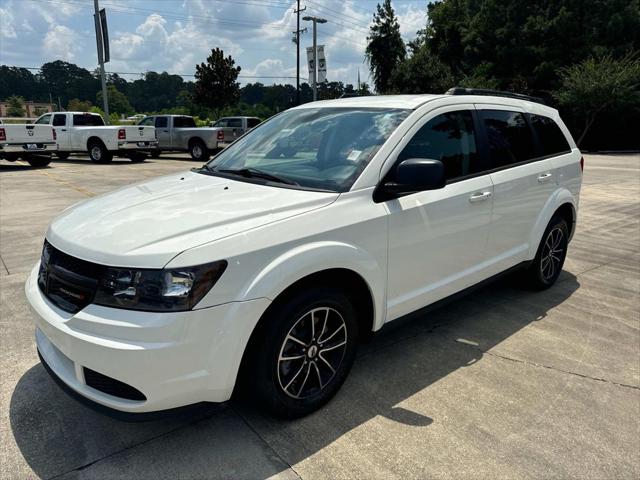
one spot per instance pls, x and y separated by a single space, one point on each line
265 267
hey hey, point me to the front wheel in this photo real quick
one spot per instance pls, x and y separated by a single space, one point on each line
98 153
198 151
552 251
304 353
62 155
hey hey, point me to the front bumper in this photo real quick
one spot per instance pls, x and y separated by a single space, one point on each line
174 359
138 145
23 148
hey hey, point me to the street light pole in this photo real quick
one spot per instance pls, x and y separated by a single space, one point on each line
315 21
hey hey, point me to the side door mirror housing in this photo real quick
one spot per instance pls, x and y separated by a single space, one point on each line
410 176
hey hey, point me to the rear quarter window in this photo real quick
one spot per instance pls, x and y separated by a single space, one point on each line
509 137
551 139
87 120
184 122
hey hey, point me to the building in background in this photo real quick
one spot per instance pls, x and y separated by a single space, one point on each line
31 109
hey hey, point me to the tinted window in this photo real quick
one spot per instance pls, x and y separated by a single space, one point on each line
43 120
148 122
450 138
234 123
221 123
551 138
87 120
509 137
184 122
162 122
59 120
252 122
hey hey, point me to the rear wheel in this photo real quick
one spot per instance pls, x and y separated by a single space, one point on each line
137 157
155 154
39 162
552 251
304 353
198 150
62 155
98 153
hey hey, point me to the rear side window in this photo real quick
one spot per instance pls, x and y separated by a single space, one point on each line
59 120
252 122
551 139
87 120
509 137
450 138
184 122
234 123
162 122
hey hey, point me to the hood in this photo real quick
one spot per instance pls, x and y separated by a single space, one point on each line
147 224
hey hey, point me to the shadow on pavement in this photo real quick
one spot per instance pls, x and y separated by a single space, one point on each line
56 434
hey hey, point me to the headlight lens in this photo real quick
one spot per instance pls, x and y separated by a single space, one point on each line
170 290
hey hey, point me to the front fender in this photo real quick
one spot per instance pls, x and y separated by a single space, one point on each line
560 197
308 259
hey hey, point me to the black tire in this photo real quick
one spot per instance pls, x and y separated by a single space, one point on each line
98 153
137 157
198 150
11 157
39 162
155 154
62 155
276 381
552 251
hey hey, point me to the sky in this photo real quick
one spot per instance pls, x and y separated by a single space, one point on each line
175 35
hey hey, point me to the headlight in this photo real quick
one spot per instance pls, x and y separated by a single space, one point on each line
170 290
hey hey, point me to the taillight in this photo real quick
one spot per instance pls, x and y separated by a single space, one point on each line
3 135
55 135
122 134
220 135
582 164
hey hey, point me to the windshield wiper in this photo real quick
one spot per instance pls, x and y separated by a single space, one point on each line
255 173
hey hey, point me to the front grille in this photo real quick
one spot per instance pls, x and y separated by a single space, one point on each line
68 282
111 386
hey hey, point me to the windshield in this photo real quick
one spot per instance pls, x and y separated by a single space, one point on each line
317 148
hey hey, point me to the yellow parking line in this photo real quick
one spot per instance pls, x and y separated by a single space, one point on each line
77 188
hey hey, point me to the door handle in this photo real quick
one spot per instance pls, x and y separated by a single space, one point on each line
479 197
63 129
545 177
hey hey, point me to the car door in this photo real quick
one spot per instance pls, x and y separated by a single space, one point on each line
63 134
523 182
437 239
163 132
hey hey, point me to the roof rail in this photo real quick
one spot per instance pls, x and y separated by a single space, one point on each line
493 93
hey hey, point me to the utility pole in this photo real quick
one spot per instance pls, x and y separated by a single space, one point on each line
315 21
296 40
103 79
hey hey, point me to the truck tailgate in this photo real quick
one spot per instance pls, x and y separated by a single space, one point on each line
137 133
27 134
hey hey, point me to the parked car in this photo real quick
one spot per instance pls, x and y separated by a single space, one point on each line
267 266
33 143
234 127
179 133
86 132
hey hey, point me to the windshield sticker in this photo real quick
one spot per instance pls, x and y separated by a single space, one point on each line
353 156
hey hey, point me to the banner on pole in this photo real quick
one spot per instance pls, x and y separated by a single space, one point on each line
102 36
322 64
311 59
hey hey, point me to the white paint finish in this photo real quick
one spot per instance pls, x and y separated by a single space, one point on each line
410 252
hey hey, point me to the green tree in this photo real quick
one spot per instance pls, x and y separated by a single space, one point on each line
15 106
385 48
600 85
422 72
76 105
118 101
216 83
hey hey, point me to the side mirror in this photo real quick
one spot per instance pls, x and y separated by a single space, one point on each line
412 175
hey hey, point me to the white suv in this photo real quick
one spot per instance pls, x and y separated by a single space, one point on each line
266 266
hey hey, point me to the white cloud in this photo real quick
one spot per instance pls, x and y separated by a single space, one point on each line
7 23
61 42
412 20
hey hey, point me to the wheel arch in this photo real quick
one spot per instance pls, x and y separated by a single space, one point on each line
95 139
561 202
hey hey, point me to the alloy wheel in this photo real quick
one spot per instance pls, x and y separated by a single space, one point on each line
312 352
552 254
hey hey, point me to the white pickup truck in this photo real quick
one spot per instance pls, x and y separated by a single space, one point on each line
86 132
33 143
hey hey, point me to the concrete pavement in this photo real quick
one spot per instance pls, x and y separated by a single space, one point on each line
504 383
